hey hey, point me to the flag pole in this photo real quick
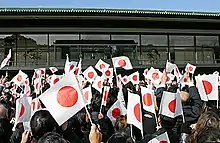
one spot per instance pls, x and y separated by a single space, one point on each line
87 112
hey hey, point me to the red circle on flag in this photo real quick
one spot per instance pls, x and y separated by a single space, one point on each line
137 112
91 74
116 112
76 71
86 94
19 78
107 73
71 67
56 80
21 110
147 99
42 72
163 141
155 76
33 105
26 82
168 78
190 68
185 79
37 85
125 79
100 84
67 96
135 77
122 63
172 106
207 86
102 66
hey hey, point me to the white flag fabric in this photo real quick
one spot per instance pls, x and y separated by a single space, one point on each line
209 85
90 74
115 111
19 78
101 66
134 78
53 69
64 99
120 96
190 68
169 67
67 65
124 79
6 60
98 83
148 99
163 138
171 105
134 113
109 73
87 92
35 105
122 62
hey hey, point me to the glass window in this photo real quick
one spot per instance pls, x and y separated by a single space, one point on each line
155 40
207 41
182 55
199 55
94 37
60 45
176 40
31 49
128 46
7 42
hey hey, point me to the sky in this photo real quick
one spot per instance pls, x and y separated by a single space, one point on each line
188 5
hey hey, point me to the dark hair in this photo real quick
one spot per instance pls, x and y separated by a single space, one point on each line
120 137
41 123
209 135
52 137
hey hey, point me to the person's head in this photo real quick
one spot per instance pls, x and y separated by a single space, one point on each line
52 137
3 111
121 123
209 135
208 119
120 137
41 123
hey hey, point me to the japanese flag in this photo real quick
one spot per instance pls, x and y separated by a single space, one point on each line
115 111
23 110
37 85
108 73
170 78
54 79
35 105
105 95
6 60
73 65
98 83
177 73
101 65
154 75
200 88
169 67
90 74
147 99
19 78
65 97
53 69
87 92
78 68
134 113
134 78
209 85
124 79
67 65
190 68
40 72
122 62
163 138
171 105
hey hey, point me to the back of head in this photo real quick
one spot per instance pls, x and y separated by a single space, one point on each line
41 123
52 137
209 135
120 137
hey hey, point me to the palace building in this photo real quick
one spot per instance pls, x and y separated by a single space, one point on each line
41 37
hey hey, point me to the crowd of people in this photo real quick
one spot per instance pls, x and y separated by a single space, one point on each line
201 122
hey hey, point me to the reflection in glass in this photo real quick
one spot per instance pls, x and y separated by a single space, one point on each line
176 40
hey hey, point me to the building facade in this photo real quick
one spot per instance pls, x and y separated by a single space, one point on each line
43 37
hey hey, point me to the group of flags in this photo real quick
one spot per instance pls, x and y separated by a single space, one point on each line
68 95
